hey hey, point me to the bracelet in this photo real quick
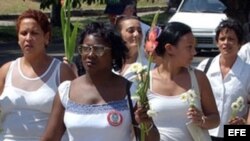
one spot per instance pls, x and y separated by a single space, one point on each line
150 127
203 120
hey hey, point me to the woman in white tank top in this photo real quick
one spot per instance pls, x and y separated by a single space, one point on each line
29 83
172 81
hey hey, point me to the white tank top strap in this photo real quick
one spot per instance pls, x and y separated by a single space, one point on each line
53 72
9 73
57 70
63 91
194 82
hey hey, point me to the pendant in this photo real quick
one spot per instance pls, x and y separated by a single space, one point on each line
114 118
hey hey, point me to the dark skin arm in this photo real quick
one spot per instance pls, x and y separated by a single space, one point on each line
66 73
141 116
248 117
55 127
210 117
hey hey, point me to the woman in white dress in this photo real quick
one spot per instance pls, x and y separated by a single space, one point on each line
29 83
95 106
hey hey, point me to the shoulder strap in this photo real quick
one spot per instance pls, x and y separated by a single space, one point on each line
194 82
208 64
195 87
134 123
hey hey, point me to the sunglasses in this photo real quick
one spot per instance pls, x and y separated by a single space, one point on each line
98 50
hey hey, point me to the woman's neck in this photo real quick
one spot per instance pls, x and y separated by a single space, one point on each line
99 78
168 70
227 61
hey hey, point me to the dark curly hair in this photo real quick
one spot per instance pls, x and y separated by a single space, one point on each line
110 36
231 24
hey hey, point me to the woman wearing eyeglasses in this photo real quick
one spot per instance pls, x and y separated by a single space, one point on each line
94 106
180 95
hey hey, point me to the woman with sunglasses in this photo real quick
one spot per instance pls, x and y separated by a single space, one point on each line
229 76
179 94
94 106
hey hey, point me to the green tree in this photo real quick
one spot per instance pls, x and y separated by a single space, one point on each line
55 6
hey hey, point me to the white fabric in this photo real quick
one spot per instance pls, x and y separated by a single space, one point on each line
142 57
25 113
244 52
171 115
89 122
145 29
236 83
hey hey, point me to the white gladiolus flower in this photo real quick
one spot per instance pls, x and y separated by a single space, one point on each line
136 67
240 100
151 113
184 97
237 106
189 97
241 107
191 93
135 97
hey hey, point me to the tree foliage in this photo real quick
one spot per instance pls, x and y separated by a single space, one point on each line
77 3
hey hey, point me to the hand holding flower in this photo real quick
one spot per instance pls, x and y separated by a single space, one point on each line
237 121
142 116
195 116
142 79
236 107
197 119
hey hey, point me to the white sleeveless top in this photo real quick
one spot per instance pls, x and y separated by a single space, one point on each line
95 122
26 102
171 111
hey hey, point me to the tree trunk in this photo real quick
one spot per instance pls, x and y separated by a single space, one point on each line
55 15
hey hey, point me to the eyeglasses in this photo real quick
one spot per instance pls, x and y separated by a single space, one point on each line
97 49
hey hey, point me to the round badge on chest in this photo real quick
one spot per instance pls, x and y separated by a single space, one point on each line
114 118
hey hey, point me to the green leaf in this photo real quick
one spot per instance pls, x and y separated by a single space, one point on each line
69 36
72 42
155 19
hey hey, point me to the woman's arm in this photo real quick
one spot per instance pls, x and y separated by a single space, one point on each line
141 116
3 72
66 73
55 127
211 118
248 117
